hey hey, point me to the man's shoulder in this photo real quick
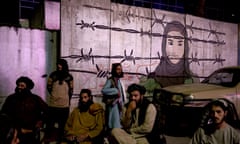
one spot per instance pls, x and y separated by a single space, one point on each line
95 108
233 129
37 97
76 109
96 105
69 77
9 98
52 74
11 95
151 105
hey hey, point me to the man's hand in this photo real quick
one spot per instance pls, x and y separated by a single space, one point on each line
132 106
82 137
70 137
39 124
128 115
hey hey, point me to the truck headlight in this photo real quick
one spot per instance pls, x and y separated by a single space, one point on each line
189 97
177 98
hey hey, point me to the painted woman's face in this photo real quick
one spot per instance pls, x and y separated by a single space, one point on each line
175 46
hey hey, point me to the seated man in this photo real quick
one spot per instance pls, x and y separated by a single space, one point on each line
138 118
27 110
86 122
216 130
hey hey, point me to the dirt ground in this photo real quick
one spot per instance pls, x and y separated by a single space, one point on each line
177 140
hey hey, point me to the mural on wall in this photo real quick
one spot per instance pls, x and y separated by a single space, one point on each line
156 48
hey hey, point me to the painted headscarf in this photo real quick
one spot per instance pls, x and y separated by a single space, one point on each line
168 73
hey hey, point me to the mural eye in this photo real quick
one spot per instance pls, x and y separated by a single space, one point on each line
170 43
180 44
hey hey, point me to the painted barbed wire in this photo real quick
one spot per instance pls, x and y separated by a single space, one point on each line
130 57
194 59
162 22
213 32
102 73
149 33
86 57
215 60
218 59
127 14
86 25
155 20
105 73
191 28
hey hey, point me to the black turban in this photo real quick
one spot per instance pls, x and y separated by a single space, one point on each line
27 81
136 87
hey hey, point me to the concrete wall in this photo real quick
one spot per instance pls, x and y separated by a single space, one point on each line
26 52
97 33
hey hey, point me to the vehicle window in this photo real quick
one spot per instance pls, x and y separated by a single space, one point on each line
223 78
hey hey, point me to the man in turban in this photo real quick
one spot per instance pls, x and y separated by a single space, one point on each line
27 110
86 122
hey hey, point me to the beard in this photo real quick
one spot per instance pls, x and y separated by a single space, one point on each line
217 121
139 102
22 91
120 75
84 106
61 75
117 75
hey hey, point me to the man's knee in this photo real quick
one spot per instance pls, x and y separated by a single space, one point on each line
116 131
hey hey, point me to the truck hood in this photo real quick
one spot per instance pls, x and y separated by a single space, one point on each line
201 90
193 88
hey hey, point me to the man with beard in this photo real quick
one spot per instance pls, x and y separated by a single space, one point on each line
27 110
217 130
138 119
86 122
114 97
60 88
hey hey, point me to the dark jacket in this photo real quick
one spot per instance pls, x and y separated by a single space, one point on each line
25 109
